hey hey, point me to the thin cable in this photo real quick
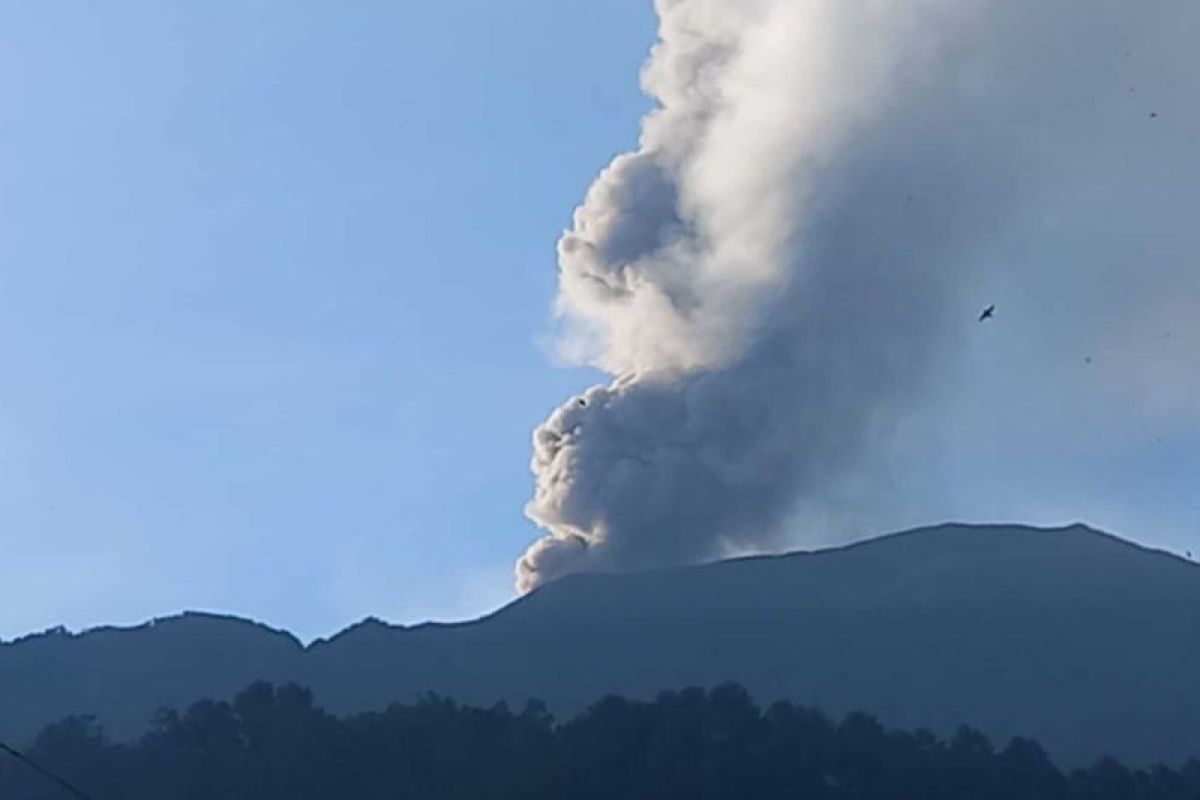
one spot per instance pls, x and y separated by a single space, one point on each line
38 768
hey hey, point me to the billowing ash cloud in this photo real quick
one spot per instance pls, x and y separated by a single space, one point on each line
783 278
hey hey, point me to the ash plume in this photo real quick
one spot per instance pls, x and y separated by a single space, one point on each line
780 277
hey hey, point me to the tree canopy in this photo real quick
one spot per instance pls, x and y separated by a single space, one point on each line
276 742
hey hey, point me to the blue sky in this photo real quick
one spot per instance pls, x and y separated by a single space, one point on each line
272 281
276 278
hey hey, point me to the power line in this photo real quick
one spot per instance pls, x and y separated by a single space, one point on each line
38 768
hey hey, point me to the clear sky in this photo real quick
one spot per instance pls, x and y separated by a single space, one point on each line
273 276
276 282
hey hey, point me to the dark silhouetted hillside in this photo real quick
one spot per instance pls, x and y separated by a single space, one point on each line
1082 641
277 743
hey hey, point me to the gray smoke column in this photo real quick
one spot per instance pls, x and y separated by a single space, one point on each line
779 272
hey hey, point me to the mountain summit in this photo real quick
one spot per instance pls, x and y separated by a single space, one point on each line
1073 637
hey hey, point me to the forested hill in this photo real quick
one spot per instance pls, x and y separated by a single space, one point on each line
276 744
1082 641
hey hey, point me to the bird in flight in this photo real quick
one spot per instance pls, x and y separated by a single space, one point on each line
988 313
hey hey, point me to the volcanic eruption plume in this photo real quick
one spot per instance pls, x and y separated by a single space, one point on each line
771 278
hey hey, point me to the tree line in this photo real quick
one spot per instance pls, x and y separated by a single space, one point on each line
276 743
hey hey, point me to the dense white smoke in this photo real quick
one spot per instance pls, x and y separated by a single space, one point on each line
783 279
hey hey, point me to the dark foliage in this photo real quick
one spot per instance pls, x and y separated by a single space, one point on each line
276 743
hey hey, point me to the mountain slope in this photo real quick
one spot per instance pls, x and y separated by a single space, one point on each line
123 676
1088 643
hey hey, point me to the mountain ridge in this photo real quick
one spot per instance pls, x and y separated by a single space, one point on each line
192 614
1085 638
